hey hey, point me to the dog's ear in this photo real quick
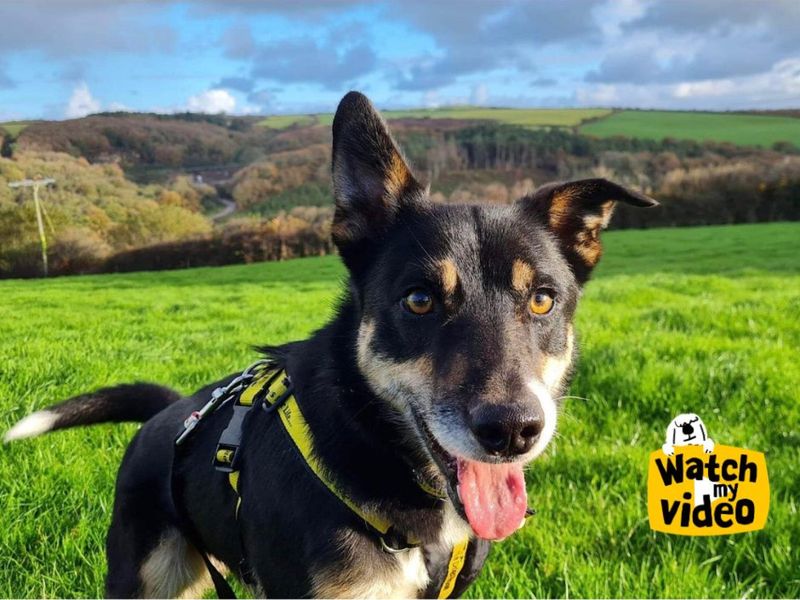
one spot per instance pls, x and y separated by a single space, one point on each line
576 212
371 181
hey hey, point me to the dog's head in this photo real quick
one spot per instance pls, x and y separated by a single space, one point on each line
687 430
465 311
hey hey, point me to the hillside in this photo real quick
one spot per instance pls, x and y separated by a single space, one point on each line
537 117
754 128
137 191
742 129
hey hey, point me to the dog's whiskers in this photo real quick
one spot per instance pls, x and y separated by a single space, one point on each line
571 398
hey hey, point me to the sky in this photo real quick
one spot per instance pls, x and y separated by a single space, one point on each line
68 58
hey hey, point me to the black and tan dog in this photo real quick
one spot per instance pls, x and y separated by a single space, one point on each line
442 370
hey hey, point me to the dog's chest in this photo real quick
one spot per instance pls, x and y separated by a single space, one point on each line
407 574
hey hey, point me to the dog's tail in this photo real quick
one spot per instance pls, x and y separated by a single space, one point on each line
135 402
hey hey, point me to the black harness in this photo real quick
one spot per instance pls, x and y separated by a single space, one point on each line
270 388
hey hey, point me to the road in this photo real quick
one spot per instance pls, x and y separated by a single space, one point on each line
226 210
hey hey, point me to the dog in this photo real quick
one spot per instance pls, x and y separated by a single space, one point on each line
444 364
687 430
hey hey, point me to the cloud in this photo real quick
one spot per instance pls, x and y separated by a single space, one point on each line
83 27
262 98
776 88
212 101
240 84
238 41
479 95
81 102
490 36
711 39
282 55
6 83
118 107
306 60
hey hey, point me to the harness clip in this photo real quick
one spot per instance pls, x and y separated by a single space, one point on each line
226 456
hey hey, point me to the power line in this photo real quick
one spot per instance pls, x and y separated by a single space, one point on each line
36 184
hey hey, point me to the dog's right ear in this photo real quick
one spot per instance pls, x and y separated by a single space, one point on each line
576 212
371 181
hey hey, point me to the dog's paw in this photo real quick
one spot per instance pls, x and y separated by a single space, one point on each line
708 446
668 449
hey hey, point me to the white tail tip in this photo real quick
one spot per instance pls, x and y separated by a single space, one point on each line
31 426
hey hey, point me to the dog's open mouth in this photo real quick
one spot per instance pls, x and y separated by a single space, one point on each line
490 496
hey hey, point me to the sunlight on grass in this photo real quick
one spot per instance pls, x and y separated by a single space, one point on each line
534 117
676 320
747 130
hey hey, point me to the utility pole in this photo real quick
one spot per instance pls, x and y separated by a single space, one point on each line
36 184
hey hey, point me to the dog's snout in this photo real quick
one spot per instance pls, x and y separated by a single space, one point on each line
506 430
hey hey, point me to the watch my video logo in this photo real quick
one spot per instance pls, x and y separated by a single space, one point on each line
697 487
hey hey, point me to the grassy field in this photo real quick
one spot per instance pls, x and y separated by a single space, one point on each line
702 320
743 129
536 117
14 128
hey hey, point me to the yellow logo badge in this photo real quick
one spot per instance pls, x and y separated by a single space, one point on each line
697 487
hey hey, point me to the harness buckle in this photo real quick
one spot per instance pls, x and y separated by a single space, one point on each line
270 403
226 456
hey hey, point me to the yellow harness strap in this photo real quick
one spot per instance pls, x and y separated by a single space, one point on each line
457 558
296 426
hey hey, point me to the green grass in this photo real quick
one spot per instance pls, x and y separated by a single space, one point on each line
14 128
535 117
743 129
702 320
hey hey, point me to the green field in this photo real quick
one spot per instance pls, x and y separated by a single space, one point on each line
535 117
743 129
14 128
687 320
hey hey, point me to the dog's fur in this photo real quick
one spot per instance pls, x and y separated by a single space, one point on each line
385 391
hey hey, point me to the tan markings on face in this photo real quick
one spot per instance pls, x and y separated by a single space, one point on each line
397 176
402 575
448 275
391 379
521 276
554 367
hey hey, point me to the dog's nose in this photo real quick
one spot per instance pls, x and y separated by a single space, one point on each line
505 430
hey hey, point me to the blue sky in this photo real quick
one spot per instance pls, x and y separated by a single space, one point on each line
67 58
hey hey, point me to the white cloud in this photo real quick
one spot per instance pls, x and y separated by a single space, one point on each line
212 101
479 95
81 102
777 88
118 107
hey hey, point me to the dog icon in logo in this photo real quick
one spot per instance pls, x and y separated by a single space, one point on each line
687 430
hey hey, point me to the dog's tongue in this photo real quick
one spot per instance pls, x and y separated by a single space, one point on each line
493 496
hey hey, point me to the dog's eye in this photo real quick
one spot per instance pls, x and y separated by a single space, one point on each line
542 301
418 302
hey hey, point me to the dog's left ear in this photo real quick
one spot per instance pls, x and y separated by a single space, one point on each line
372 183
576 212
